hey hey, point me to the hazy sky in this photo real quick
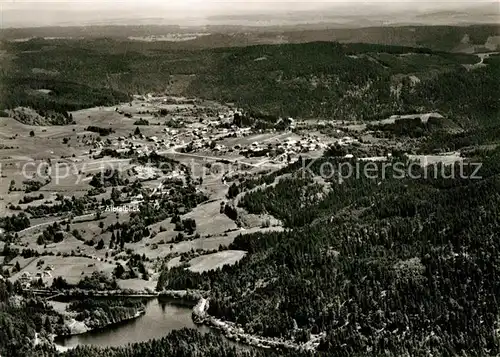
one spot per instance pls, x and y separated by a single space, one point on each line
40 12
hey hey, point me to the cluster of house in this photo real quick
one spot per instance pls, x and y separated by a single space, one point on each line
142 144
205 129
206 132
26 277
347 140
143 172
284 150
206 137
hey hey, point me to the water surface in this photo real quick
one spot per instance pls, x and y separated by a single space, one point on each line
158 321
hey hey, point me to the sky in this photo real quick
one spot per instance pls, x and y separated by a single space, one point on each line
41 12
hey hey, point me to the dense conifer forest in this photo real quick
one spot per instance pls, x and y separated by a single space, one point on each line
311 80
384 267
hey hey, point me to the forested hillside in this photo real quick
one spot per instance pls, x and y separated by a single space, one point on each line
344 82
185 342
23 319
383 266
441 38
27 324
314 80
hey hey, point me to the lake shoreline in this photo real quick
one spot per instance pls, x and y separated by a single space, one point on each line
156 320
198 306
103 327
233 331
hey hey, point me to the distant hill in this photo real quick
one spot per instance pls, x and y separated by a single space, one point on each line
349 82
325 80
481 13
444 38
370 14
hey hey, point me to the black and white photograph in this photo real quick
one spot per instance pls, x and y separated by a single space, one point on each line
249 178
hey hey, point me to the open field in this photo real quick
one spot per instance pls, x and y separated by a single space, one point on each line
208 262
209 220
215 260
163 250
446 159
137 284
73 269
65 159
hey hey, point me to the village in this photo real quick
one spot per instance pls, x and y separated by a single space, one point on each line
154 143
142 151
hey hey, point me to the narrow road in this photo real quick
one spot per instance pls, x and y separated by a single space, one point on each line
54 293
76 218
54 221
214 158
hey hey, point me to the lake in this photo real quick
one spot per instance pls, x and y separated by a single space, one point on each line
160 318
